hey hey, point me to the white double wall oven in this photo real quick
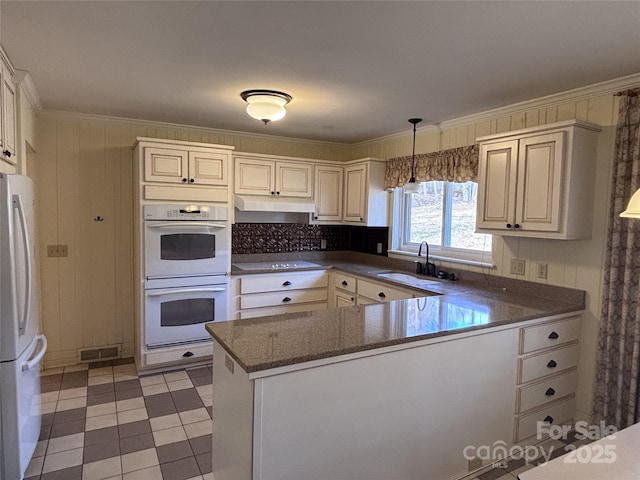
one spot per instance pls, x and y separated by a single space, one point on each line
187 254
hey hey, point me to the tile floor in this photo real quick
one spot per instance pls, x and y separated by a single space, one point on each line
102 421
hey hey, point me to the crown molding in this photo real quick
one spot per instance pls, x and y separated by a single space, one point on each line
191 128
575 95
24 80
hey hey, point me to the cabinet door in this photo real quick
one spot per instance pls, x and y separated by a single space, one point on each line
355 194
208 168
166 165
293 179
8 118
540 160
344 300
255 177
328 193
497 175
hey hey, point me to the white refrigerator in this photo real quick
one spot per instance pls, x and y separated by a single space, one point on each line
21 347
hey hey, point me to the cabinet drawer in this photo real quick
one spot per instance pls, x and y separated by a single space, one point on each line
292 297
345 282
556 414
537 394
541 365
360 300
281 309
283 282
381 293
176 355
185 193
549 335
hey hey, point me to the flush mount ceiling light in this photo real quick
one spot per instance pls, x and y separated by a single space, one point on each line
412 186
266 105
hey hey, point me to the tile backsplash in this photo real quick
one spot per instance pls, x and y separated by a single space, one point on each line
296 237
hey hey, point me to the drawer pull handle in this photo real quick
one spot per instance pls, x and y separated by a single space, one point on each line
286 284
553 335
382 295
548 419
344 283
552 364
550 392
286 299
187 354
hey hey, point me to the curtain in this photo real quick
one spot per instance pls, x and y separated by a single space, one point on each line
453 165
617 394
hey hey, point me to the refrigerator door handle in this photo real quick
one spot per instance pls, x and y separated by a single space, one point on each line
42 340
17 204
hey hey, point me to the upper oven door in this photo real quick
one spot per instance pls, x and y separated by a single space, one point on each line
182 248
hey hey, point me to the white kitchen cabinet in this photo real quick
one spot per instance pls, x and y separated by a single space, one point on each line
260 175
375 292
365 199
285 292
182 171
538 182
547 376
327 190
8 115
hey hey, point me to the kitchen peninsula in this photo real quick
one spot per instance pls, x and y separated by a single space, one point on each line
390 390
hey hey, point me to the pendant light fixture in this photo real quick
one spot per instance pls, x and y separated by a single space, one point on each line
412 186
266 105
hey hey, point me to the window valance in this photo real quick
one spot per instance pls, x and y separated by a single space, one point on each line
453 165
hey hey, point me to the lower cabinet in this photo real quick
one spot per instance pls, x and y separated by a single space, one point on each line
547 377
273 294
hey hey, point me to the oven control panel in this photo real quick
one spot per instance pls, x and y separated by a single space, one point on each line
186 212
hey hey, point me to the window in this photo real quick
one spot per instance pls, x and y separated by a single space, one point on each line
443 214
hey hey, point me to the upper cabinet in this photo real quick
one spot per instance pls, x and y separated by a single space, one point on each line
328 194
7 114
365 199
183 171
259 175
538 182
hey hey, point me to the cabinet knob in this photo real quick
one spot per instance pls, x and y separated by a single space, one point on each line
277 193
382 295
550 392
553 335
508 225
286 284
7 153
361 219
548 419
286 299
517 225
352 299
191 180
315 217
552 364
273 193
184 180
187 354
344 283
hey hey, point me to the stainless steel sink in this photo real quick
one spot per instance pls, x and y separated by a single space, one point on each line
407 279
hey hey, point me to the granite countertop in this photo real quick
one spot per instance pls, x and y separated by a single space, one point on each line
263 343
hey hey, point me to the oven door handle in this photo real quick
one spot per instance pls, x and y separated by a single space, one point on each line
185 224
173 291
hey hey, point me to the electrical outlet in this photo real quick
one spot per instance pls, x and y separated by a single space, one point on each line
323 244
379 248
518 266
542 270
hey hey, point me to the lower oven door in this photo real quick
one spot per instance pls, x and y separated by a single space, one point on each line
177 315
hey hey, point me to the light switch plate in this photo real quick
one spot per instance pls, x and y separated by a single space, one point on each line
518 266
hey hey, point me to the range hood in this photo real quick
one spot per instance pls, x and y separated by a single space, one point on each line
255 203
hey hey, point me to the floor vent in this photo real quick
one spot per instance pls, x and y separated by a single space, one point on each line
97 354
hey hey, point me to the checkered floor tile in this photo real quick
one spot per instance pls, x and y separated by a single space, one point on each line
102 421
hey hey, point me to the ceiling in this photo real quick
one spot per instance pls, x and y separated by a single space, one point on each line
356 70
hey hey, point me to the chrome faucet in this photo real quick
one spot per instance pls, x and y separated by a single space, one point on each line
428 268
